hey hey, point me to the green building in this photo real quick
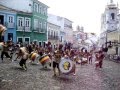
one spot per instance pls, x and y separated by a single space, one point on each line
31 23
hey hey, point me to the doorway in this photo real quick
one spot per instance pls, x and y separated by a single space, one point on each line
10 36
2 19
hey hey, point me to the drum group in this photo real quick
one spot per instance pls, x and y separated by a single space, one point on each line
44 60
66 65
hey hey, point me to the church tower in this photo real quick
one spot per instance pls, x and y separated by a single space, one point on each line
111 12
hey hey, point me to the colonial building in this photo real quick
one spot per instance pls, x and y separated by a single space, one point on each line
69 30
8 19
53 30
34 26
109 28
65 32
79 36
24 25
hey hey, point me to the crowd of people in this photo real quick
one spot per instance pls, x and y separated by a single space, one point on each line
52 55
77 56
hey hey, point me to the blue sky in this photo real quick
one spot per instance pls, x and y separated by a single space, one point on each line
86 13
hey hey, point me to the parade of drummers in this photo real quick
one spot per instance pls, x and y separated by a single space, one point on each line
62 59
59 45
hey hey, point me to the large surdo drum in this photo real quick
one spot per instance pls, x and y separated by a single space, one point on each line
66 66
44 59
33 56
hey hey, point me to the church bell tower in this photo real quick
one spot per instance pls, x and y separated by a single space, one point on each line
111 13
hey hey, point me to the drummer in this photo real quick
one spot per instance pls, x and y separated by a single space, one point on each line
57 57
24 56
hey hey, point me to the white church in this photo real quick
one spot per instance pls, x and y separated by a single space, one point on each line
110 28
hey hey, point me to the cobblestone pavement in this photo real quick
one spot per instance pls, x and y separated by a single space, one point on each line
12 77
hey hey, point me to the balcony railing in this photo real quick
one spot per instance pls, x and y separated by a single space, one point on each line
10 25
42 30
26 29
53 37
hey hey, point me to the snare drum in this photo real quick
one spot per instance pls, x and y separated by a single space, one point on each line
44 59
66 66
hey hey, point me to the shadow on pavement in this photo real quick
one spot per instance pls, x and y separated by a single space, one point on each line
45 69
17 68
64 78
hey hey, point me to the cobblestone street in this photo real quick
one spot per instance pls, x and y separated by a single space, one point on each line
12 77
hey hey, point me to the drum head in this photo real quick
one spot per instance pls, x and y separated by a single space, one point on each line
66 66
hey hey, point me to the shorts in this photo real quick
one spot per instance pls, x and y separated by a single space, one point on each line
55 64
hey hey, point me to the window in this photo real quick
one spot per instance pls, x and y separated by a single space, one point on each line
54 34
49 33
57 33
20 39
40 24
27 40
10 36
11 19
35 7
27 22
20 21
44 44
35 24
40 43
44 25
44 11
40 9
112 16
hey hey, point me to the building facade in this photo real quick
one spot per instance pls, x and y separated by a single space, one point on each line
36 21
79 36
8 19
69 30
24 30
109 28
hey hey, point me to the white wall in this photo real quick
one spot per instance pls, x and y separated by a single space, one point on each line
56 20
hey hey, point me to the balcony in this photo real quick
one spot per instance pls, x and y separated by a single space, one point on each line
28 29
21 28
42 30
36 29
10 25
53 37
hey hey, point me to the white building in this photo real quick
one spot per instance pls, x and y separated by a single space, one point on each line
109 27
53 29
69 30
66 30
78 37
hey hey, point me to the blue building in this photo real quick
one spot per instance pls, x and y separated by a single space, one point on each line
8 19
